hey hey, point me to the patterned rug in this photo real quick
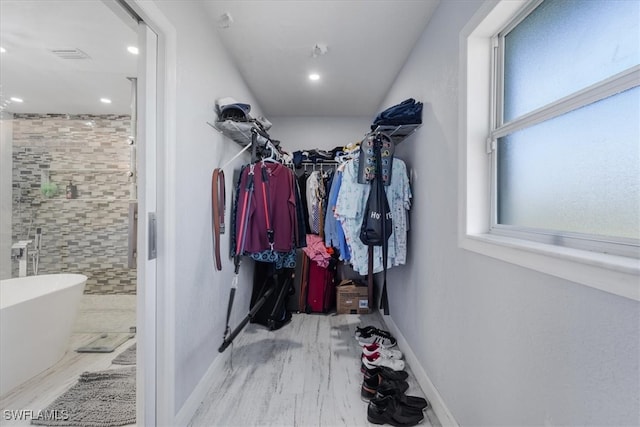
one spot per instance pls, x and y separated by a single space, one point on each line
98 399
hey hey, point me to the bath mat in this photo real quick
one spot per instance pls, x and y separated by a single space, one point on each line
105 343
127 357
98 399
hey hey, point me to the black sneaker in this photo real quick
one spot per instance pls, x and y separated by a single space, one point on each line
370 386
388 411
378 336
402 399
384 372
364 330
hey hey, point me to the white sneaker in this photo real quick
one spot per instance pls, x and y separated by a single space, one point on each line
377 359
377 336
370 349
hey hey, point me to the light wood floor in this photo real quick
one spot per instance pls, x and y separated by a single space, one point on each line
305 374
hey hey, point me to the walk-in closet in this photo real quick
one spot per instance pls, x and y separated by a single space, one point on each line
371 212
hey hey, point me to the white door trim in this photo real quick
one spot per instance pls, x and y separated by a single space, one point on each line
156 315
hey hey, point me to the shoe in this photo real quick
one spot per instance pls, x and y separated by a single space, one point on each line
388 411
377 360
365 330
384 373
378 336
370 349
415 402
371 385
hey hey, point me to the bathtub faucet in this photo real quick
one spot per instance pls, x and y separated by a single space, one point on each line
19 252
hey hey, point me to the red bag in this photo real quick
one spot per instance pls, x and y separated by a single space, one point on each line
321 288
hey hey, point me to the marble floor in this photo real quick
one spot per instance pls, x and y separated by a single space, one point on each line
97 314
305 374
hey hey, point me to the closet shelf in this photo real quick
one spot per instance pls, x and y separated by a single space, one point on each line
398 133
240 132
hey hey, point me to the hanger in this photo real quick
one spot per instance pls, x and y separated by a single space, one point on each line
274 155
351 148
342 158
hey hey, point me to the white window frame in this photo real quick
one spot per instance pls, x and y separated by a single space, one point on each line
616 274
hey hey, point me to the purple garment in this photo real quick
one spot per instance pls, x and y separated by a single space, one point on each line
279 197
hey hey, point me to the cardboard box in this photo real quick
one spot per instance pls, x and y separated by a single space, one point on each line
352 298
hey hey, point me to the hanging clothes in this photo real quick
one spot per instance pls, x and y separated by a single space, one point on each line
333 232
315 195
302 184
350 207
301 227
317 251
266 210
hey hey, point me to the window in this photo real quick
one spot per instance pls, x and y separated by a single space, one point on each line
549 143
565 135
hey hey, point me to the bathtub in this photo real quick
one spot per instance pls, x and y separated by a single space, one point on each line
36 319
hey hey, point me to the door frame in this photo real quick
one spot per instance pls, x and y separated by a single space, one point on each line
156 147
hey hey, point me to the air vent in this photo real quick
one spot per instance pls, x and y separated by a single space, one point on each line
70 53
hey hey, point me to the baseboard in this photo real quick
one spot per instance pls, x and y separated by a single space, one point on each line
191 405
439 407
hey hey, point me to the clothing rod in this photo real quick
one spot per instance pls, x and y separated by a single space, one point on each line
311 162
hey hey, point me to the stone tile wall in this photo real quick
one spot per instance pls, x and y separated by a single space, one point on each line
87 234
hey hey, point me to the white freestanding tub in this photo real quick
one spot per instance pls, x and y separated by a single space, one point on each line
36 319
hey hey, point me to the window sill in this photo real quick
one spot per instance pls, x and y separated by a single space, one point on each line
609 273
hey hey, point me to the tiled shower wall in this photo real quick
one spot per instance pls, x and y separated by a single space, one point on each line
88 234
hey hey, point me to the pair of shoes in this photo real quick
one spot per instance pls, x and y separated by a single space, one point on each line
383 372
370 335
388 411
415 402
376 359
371 349
370 386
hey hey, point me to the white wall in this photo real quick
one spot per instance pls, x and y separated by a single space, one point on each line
204 72
502 344
6 167
303 133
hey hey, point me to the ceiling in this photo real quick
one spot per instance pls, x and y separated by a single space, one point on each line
29 70
362 47
367 42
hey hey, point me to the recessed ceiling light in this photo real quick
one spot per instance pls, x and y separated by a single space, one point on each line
105 100
2 50
14 99
314 77
134 50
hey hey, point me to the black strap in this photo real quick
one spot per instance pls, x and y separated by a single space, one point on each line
370 276
242 233
384 299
